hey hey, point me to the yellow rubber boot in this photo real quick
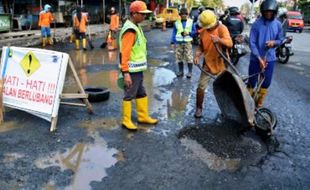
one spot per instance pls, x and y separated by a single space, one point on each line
127 116
50 41
44 42
261 96
143 113
250 91
84 43
71 38
77 44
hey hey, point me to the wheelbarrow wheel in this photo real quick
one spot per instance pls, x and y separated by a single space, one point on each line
265 122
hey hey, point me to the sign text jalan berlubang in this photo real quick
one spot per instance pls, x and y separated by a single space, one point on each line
31 90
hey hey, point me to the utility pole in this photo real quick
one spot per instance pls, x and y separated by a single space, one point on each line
103 10
120 8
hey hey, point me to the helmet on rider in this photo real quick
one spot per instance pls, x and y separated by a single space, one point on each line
207 19
282 13
233 11
269 5
201 9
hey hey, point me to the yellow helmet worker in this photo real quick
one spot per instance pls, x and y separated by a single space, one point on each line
207 19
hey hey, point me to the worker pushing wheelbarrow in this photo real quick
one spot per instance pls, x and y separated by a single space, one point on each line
236 103
234 100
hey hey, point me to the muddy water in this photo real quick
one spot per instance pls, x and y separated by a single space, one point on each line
100 68
87 161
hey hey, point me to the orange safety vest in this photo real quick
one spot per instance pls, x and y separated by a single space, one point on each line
114 24
81 25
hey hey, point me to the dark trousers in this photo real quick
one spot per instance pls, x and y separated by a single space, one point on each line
137 89
254 68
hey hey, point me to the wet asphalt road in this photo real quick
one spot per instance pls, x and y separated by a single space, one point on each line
181 152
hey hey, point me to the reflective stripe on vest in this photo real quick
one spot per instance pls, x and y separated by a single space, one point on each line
180 29
137 60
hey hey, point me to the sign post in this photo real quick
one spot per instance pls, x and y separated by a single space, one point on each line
34 80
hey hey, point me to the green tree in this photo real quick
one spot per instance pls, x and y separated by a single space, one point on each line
217 4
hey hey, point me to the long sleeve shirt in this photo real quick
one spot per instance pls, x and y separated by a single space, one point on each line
128 40
174 32
114 24
213 62
45 19
262 31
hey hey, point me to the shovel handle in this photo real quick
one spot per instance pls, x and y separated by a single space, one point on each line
229 64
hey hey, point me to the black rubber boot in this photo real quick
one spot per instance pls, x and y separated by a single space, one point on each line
190 69
181 67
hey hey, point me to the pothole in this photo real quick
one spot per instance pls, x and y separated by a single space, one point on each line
222 147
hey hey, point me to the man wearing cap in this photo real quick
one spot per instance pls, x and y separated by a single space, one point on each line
45 19
133 62
212 32
182 37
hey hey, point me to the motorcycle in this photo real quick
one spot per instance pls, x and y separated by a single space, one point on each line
239 49
284 50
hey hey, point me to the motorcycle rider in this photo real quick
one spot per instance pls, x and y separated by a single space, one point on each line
283 19
265 35
233 22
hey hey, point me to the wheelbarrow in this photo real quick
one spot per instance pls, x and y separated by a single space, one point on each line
236 103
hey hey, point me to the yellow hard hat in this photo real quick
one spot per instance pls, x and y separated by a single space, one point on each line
207 19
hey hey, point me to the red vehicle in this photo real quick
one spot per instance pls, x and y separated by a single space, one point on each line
295 21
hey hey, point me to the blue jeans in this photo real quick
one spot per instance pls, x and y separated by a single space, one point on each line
254 68
46 32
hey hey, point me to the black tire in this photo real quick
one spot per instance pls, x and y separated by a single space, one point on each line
284 56
97 94
263 127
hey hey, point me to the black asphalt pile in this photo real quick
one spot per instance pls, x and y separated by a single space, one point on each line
226 140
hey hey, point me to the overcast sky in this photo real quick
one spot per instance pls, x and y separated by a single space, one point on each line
237 3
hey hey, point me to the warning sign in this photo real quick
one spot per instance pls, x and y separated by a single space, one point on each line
30 64
33 80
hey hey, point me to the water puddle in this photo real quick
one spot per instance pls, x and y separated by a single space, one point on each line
106 79
162 76
8 126
12 157
213 161
105 123
95 56
88 162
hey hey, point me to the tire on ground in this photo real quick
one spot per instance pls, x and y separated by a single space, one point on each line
97 94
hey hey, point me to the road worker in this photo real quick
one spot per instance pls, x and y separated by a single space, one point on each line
45 20
80 23
181 41
133 58
212 32
266 33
